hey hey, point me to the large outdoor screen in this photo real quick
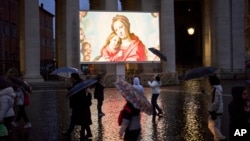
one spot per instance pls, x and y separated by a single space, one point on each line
118 37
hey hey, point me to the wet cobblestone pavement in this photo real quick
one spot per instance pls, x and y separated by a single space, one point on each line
184 119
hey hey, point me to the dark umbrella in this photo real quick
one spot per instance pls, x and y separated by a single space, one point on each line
198 72
158 53
80 86
4 83
21 82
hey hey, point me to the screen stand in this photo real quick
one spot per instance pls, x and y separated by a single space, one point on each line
120 71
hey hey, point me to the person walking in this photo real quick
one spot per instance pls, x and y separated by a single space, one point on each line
239 114
137 85
155 86
79 103
130 122
99 96
7 113
21 112
215 108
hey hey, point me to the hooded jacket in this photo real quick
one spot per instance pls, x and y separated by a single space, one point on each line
7 96
137 85
215 100
155 85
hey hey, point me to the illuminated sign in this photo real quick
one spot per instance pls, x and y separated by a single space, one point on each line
118 37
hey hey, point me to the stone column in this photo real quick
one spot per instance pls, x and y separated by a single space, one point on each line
60 12
111 5
30 40
238 35
131 5
167 35
220 33
206 34
150 5
67 33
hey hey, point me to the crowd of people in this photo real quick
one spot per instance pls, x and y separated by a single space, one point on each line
130 126
12 106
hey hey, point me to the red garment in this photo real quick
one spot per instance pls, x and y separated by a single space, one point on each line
135 51
112 56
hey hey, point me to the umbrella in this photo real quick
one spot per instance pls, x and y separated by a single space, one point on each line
4 83
80 86
65 71
158 53
198 72
21 82
138 100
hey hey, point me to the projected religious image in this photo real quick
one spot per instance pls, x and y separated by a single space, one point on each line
118 36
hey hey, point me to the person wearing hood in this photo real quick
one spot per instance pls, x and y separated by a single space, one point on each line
7 98
137 85
238 114
215 108
155 86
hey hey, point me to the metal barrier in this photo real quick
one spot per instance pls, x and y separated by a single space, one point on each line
233 74
166 78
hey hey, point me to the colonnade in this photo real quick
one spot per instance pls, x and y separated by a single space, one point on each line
222 24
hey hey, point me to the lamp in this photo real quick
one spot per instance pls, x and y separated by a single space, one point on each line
190 30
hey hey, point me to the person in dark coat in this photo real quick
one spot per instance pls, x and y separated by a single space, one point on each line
99 95
80 105
238 115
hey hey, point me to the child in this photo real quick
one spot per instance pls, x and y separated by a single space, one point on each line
111 50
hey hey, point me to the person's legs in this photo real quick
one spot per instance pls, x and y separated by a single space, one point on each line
213 127
157 106
88 130
71 126
153 102
99 106
19 113
82 134
218 135
132 135
7 122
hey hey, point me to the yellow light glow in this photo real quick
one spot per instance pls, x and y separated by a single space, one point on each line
190 31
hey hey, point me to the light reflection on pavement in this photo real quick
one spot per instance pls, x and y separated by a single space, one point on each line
185 116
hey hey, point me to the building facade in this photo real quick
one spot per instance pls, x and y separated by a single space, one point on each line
220 38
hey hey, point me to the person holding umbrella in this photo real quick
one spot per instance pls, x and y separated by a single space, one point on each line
81 115
215 108
155 86
20 91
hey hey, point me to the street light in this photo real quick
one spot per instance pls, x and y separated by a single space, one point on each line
190 30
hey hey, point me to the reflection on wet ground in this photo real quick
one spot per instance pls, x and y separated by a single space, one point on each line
184 106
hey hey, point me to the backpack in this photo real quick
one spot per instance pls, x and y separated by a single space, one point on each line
26 99
121 115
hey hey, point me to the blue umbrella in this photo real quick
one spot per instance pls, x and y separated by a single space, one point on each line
64 71
198 72
80 86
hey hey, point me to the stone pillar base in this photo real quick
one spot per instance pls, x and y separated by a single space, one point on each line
33 78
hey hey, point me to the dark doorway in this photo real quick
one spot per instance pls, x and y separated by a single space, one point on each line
188 47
